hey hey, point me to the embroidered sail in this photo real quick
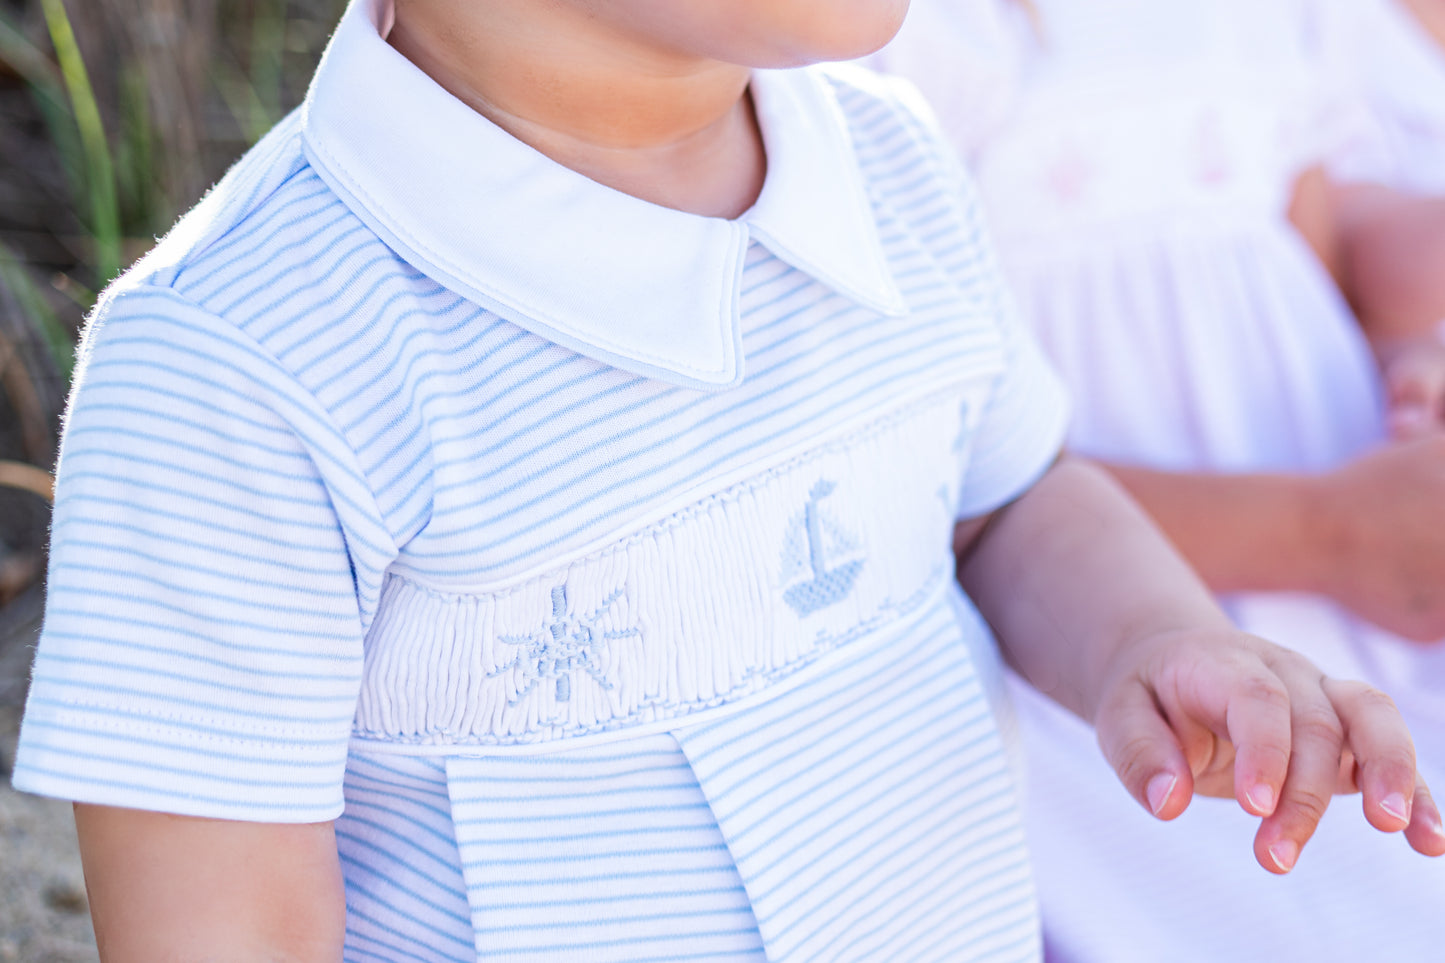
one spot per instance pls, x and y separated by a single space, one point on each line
821 559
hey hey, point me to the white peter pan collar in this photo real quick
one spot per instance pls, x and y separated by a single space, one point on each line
642 287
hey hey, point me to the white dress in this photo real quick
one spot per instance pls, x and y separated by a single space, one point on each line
1136 160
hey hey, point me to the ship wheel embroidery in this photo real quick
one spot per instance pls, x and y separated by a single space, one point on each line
565 643
817 568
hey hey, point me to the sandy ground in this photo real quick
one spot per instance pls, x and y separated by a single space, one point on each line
43 914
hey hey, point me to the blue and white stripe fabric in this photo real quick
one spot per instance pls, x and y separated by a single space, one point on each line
586 561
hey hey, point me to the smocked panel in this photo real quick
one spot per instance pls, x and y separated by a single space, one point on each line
698 610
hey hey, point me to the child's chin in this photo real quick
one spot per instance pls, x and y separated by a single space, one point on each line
868 34
833 30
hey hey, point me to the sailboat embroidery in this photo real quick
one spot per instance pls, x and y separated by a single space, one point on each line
817 568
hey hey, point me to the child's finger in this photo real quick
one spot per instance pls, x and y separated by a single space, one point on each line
1144 751
1384 753
1259 723
1385 756
1424 833
1314 765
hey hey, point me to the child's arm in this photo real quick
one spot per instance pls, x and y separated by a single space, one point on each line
1391 252
167 887
1384 247
1392 262
1092 605
1386 250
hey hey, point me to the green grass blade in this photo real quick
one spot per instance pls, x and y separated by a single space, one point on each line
100 169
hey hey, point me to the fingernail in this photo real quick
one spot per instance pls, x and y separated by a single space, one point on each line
1261 797
1283 854
1396 806
1160 788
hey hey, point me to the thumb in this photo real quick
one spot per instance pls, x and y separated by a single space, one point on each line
1144 751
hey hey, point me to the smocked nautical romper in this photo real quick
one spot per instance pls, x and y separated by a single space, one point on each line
587 561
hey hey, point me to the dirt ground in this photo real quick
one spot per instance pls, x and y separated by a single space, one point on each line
43 913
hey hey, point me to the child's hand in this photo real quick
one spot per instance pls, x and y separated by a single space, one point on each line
1414 372
1091 604
1223 713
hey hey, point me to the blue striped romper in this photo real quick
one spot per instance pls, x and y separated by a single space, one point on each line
588 562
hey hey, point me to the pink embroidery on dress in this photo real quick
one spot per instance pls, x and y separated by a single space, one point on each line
1211 150
1070 174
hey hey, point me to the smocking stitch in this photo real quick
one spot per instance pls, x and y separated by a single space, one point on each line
751 682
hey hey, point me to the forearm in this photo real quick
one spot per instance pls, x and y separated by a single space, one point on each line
1392 261
1240 532
178 888
1073 571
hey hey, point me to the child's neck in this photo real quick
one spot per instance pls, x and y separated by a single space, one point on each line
668 127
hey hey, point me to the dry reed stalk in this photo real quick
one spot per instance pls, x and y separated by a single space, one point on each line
28 478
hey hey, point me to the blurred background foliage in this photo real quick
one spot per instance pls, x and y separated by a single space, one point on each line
115 117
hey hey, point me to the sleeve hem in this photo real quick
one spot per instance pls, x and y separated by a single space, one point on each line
1035 442
201 771
90 791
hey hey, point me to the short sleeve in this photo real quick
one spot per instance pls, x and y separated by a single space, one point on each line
1326 115
1022 429
1399 73
211 549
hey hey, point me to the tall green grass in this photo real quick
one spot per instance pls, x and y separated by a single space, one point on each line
99 170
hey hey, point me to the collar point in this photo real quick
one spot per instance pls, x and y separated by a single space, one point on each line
693 381
890 302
